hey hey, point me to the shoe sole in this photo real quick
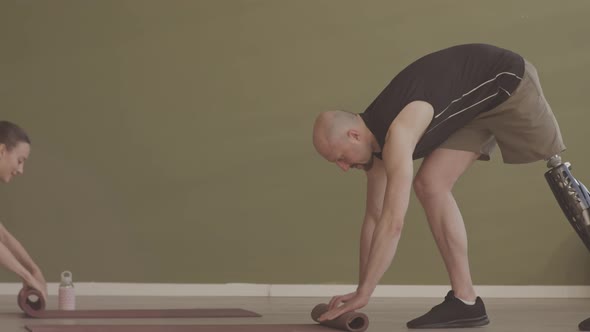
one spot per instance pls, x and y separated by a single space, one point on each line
459 323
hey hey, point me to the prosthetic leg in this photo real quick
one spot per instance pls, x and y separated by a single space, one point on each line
572 196
574 200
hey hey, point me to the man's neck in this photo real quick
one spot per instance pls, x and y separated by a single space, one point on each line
375 147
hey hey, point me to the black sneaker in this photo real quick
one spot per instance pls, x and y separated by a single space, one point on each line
452 313
584 325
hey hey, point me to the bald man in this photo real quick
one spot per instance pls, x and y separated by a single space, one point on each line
450 107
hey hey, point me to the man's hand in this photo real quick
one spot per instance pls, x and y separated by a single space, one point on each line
352 301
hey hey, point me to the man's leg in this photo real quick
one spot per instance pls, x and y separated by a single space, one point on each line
433 184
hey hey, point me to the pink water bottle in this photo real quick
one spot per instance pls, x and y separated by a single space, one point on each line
66 293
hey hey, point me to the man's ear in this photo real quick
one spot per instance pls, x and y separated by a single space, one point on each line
354 134
3 149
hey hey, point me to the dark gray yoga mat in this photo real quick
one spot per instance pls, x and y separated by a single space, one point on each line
353 321
36 309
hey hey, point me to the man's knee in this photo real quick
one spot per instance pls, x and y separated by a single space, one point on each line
429 185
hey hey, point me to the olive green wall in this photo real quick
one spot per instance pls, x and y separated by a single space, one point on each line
172 139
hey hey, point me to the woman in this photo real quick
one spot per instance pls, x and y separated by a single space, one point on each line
14 151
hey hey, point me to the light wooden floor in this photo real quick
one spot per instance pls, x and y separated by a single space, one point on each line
539 315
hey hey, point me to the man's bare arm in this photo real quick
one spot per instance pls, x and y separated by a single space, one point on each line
401 141
376 182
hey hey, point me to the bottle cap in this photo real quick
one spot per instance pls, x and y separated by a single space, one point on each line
66 277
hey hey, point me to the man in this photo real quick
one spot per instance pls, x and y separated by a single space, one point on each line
451 108
15 147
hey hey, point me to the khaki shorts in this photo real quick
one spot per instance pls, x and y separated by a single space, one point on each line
523 126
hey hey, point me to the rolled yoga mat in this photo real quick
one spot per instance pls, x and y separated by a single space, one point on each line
36 309
350 321
353 321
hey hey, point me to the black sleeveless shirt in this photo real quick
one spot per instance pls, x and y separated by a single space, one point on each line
460 82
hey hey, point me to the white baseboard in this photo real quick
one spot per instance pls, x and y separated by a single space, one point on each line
268 290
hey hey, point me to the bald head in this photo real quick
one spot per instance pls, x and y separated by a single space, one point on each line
344 139
331 127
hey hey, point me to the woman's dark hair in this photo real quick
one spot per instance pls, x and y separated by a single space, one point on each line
11 134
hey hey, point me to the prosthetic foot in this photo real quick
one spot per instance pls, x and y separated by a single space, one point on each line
572 196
